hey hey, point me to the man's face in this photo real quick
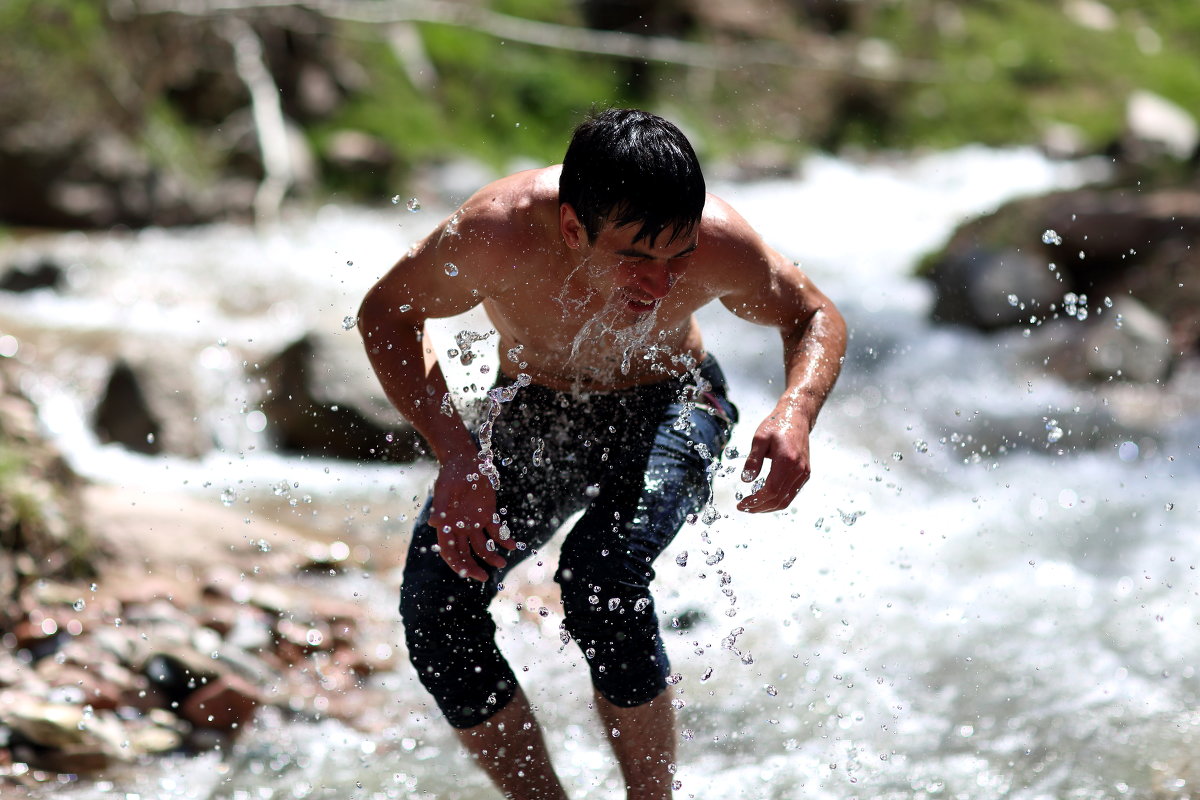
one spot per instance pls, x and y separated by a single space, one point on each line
637 275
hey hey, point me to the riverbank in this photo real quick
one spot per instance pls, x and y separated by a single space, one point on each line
192 619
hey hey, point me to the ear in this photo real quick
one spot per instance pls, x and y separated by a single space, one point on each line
570 227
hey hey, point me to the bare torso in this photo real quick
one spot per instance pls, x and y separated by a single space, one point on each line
556 317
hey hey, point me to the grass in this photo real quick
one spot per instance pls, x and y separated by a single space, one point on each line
1009 69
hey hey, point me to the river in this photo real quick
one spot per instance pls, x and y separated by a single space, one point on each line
987 590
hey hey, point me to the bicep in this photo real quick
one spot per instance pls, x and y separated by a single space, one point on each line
773 291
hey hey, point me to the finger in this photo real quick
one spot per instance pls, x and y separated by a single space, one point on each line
779 490
480 542
754 461
456 553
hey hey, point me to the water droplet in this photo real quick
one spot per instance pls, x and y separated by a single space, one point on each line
674 678
788 564
228 497
79 605
314 637
594 600
1053 432
681 559
707 674
413 204
349 322
451 269
850 517
592 491
1051 237
613 603
395 199
921 446
643 602
404 309
149 438
897 456
1013 300
615 733
771 690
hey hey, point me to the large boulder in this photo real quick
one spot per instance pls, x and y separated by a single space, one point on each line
1094 256
323 401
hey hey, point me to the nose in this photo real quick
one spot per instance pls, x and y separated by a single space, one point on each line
655 280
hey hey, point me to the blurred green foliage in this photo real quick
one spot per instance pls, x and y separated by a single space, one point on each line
1010 68
493 100
1000 72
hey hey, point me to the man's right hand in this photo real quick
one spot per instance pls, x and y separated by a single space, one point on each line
464 515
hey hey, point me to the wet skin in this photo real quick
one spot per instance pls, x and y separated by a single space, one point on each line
573 305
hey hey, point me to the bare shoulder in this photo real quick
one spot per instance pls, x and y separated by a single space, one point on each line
731 246
754 280
499 225
510 210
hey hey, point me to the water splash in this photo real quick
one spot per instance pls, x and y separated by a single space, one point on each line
464 339
495 399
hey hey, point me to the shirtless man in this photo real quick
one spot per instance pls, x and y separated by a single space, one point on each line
607 403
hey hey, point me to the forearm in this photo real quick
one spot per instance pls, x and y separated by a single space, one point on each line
812 354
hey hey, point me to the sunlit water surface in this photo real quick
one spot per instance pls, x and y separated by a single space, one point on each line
941 614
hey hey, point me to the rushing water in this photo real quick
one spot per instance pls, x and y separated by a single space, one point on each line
988 589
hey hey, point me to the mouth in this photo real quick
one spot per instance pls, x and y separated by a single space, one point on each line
641 306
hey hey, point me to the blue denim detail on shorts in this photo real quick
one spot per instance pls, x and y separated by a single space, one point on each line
637 462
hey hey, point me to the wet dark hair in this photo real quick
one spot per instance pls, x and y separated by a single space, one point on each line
630 166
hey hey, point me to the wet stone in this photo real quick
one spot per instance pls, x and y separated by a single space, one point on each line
226 704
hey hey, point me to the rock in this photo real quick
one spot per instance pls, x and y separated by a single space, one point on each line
93 689
1156 126
42 274
61 725
355 151
154 739
1127 342
225 704
150 404
124 416
1106 245
319 403
40 636
180 672
975 287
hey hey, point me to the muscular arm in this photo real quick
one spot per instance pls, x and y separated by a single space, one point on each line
773 291
391 320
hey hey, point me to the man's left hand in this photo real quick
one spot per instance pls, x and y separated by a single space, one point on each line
783 438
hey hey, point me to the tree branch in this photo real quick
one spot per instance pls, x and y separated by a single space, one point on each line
821 53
